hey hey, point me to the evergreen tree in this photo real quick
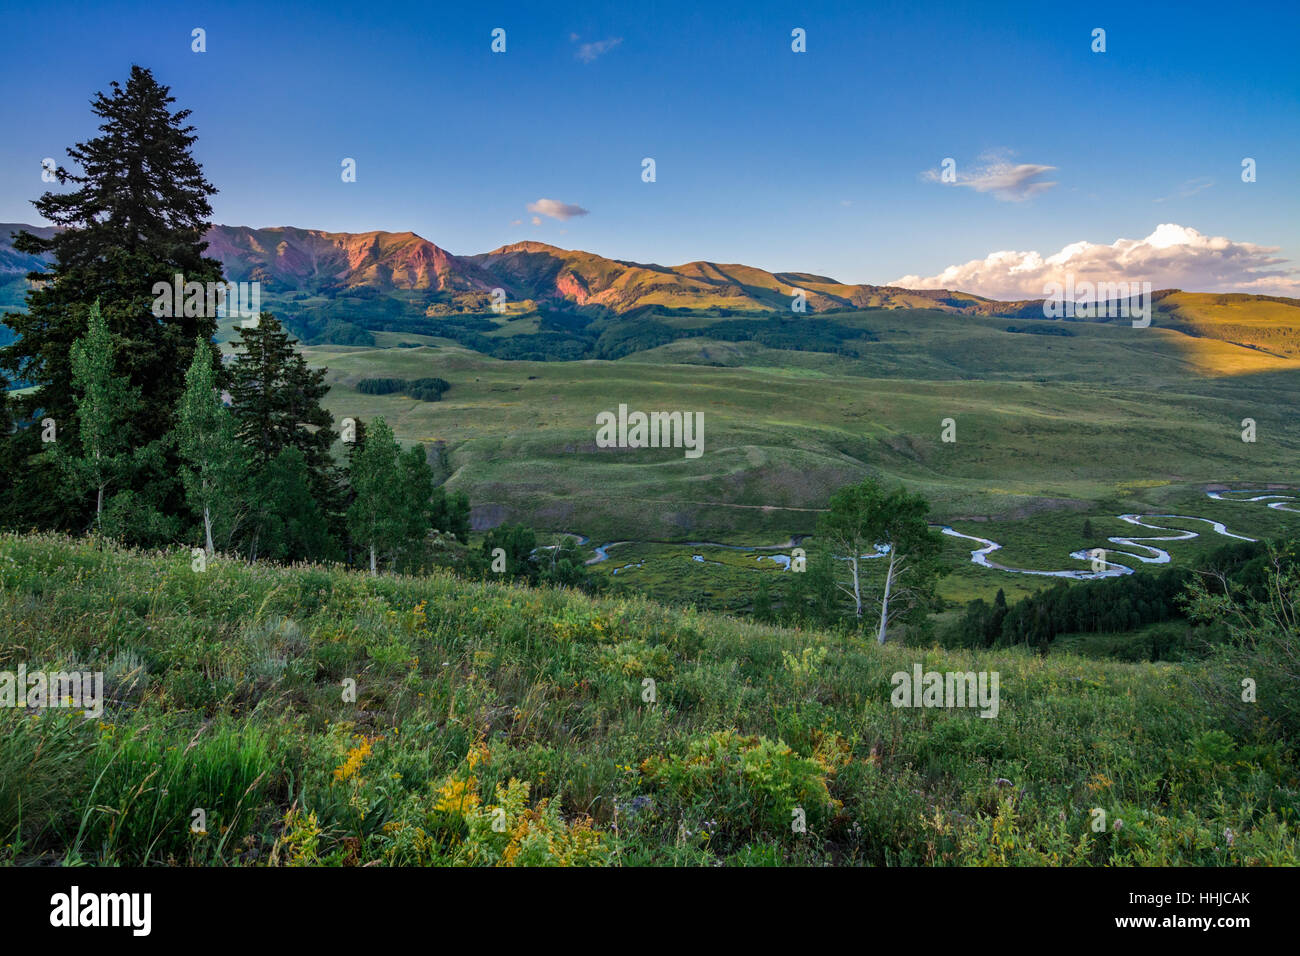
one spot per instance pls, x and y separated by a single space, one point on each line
136 219
377 519
287 523
276 400
9 461
993 625
1087 530
347 494
214 467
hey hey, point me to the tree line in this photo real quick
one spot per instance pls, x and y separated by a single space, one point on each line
1112 605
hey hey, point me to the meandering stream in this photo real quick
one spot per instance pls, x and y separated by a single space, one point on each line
1110 567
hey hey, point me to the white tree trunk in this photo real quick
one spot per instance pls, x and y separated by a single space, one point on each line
207 529
99 506
884 601
373 569
857 587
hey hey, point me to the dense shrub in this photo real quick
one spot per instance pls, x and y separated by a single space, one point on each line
423 389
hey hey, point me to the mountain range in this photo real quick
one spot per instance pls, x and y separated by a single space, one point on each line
291 260
335 286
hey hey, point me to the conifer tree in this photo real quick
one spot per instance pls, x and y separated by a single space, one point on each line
9 461
449 513
287 523
137 218
276 399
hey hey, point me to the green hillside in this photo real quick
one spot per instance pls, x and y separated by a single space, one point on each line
1105 420
479 704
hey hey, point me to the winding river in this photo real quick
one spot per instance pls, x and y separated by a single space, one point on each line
1146 544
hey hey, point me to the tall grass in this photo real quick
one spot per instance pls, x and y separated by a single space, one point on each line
316 715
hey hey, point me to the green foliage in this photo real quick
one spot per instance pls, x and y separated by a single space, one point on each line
147 788
518 543
449 513
378 518
424 389
1112 605
755 785
564 565
105 406
1254 678
865 518
104 454
276 400
44 766
215 468
286 522
227 698
135 218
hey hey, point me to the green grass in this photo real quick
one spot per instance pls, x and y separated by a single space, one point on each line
1050 430
227 695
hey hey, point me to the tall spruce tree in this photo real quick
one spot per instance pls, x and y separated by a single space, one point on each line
450 513
276 400
348 494
136 218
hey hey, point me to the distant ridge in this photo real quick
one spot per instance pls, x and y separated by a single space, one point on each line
289 260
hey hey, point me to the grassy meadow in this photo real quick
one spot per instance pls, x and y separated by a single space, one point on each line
1050 429
498 725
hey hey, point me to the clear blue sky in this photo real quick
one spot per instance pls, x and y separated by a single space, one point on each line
786 161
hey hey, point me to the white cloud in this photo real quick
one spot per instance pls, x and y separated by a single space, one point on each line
1007 181
1173 256
587 52
556 209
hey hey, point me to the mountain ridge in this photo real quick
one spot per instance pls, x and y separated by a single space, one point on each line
302 262
290 259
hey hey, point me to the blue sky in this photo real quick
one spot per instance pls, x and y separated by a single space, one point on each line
812 161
